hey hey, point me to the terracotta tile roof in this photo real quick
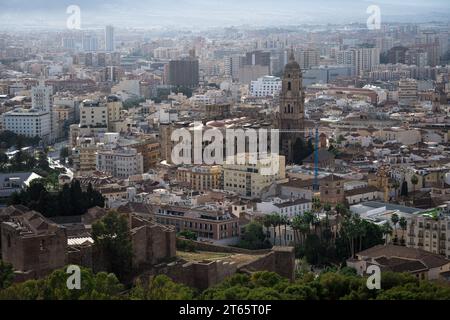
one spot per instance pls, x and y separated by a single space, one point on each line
364 190
430 260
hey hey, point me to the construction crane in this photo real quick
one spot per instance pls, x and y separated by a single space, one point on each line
316 161
316 150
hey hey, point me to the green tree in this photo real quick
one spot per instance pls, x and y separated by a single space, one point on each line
253 237
6 274
396 185
161 287
414 181
403 225
42 161
63 154
76 197
112 239
100 286
188 235
394 220
4 160
386 230
404 190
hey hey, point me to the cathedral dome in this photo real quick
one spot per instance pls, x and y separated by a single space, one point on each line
292 65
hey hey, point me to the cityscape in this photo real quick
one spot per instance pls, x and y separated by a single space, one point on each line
204 150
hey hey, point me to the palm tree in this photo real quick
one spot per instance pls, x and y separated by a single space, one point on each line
403 224
395 219
396 185
386 229
360 230
301 228
267 223
305 229
327 209
350 231
308 218
414 181
296 222
285 222
273 223
277 220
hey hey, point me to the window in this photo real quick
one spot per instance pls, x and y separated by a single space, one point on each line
289 86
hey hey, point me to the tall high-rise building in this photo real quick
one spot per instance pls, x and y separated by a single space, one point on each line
232 64
257 58
69 43
90 43
361 59
41 102
184 72
307 58
366 59
292 111
109 39
41 96
397 54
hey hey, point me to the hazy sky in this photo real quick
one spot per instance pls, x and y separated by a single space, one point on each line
196 13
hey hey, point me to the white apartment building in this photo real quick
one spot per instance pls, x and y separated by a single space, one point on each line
30 123
41 97
290 208
120 162
252 180
366 59
93 114
265 86
361 59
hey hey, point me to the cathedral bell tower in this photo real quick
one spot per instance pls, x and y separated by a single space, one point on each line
292 111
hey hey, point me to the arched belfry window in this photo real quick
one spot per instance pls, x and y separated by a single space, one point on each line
289 86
